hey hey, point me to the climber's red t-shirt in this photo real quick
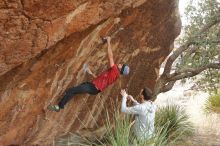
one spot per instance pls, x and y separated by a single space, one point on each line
106 78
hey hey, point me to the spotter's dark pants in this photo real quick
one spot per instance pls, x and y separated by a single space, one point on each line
86 87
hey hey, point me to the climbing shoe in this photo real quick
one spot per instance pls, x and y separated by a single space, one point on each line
55 108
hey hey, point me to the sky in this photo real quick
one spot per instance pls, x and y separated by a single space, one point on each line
182 6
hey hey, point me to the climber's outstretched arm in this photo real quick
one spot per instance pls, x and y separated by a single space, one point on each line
110 54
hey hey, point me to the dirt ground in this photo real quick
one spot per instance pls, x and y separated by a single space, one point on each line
207 126
203 140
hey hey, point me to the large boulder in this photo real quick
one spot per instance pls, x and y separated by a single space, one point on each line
44 44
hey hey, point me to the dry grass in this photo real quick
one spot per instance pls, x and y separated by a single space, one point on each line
213 103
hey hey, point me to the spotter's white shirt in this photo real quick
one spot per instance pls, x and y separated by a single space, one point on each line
144 117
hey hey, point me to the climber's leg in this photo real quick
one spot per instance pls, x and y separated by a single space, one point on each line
86 87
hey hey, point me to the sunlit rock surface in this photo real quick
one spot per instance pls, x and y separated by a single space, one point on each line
44 44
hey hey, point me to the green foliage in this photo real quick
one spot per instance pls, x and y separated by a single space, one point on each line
213 103
119 134
176 121
171 127
209 81
205 47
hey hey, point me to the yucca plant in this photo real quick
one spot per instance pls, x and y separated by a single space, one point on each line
158 139
118 134
171 126
213 103
121 133
177 122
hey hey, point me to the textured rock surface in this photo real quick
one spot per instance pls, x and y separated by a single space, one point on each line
44 44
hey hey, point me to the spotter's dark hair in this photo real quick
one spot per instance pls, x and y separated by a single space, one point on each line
147 93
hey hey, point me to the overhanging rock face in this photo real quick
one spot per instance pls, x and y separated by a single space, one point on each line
44 45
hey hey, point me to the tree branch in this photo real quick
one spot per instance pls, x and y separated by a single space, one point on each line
209 41
206 27
190 72
191 51
167 80
168 86
173 57
184 47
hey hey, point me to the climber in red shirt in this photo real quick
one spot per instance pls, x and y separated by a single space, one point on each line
98 84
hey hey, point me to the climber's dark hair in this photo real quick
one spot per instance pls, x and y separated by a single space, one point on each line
147 93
